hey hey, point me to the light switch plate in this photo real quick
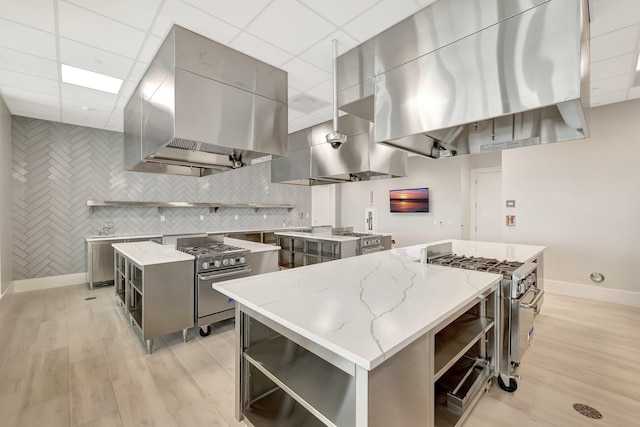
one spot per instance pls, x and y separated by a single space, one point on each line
511 203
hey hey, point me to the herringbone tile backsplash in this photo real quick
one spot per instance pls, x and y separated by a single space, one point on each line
58 167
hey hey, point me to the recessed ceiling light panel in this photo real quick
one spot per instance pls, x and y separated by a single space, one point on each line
89 79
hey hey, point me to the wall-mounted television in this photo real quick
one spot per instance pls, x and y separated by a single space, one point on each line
409 200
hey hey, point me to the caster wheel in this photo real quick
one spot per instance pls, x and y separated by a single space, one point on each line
511 387
205 334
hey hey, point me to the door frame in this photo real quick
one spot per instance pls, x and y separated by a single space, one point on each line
474 189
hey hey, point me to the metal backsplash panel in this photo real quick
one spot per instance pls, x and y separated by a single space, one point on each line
58 167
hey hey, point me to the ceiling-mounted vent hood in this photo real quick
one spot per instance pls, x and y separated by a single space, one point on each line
202 108
472 77
313 161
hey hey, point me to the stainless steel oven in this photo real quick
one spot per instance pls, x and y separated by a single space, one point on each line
214 262
520 297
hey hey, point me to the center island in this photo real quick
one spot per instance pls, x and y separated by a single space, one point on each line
375 340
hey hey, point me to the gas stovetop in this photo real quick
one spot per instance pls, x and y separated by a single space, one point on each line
490 265
214 249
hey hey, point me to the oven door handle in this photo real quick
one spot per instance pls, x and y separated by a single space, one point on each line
536 299
227 274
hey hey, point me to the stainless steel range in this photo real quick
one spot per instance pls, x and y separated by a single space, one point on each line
367 242
519 296
214 262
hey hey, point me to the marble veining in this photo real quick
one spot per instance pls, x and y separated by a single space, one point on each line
364 308
150 253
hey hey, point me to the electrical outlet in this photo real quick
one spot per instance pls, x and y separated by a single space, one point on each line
161 218
301 215
307 215
235 217
264 216
201 217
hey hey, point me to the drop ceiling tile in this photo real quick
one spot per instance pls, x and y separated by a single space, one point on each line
175 11
380 17
324 114
149 49
339 11
137 13
29 82
96 30
86 95
608 98
236 12
607 15
34 13
612 84
74 108
321 53
94 59
303 122
37 98
28 64
623 64
290 26
259 49
323 91
125 94
42 112
306 103
116 121
303 75
137 71
28 40
614 43
294 114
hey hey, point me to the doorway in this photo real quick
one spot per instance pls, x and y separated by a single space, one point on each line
486 204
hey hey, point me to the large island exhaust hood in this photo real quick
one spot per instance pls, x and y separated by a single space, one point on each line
202 107
313 161
468 76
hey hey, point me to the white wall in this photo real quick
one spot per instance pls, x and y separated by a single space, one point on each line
581 199
444 178
6 240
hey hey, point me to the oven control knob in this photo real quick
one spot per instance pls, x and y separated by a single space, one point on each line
232 261
205 265
217 263
225 262
242 260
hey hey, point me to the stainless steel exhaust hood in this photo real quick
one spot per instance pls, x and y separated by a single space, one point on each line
468 76
202 107
313 161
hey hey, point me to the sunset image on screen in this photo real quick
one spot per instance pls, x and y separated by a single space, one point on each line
409 200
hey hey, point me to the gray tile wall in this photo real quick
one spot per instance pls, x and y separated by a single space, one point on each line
58 167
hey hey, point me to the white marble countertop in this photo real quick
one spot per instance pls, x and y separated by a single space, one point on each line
149 253
318 236
254 247
364 308
499 251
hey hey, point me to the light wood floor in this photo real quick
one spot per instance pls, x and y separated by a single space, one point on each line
67 361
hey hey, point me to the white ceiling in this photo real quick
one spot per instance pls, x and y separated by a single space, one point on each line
119 38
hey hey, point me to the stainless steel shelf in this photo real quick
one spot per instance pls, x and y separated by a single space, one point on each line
137 284
213 207
454 340
265 412
323 389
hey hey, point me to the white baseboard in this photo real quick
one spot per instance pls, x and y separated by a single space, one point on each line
579 290
49 282
8 291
